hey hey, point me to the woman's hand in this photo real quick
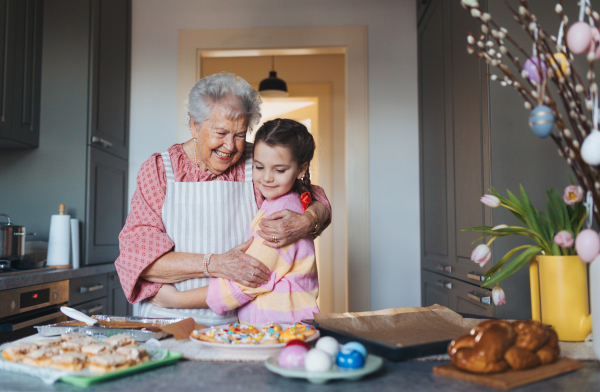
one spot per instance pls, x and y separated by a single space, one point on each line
166 297
285 227
239 267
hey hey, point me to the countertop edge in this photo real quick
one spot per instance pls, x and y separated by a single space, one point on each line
24 280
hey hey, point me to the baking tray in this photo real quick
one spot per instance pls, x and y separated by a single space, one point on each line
388 351
140 335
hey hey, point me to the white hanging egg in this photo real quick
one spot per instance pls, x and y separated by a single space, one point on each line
587 245
590 149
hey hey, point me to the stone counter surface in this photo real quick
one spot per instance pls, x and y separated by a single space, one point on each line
30 279
254 376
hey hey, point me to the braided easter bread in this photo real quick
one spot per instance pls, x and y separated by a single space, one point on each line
495 346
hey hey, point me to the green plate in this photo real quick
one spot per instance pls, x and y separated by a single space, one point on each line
86 381
372 364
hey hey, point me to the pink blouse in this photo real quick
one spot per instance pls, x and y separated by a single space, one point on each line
143 239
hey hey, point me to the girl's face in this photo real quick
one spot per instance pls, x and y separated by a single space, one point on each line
274 170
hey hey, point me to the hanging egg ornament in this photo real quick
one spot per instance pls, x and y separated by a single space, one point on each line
587 245
532 67
579 37
541 120
590 148
561 62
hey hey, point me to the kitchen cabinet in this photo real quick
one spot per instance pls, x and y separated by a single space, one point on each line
110 69
117 302
99 294
20 72
473 135
107 206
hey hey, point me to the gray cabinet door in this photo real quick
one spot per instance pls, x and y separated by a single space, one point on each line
107 206
110 65
117 302
20 72
436 289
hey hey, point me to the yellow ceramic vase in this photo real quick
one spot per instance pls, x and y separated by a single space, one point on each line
559 295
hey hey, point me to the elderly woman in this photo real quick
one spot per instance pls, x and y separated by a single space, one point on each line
193 205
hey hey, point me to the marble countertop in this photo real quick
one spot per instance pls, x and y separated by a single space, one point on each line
254 376
29 279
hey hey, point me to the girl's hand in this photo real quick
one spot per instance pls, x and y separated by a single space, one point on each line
166 297
286 227
239 267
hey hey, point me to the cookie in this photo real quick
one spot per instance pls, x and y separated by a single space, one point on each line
41 356
72 335
18 351
108 363
52 342
296 331
97 349
69 361
75 345
134 354
120 340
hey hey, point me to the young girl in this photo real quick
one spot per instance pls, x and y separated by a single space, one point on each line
283 150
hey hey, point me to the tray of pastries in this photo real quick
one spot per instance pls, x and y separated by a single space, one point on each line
86 358
139 328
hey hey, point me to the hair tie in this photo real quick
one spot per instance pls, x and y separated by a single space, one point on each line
306 200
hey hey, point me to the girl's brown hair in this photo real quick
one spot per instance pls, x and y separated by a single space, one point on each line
293 135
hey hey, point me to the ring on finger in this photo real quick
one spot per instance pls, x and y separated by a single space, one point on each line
274 238
253 271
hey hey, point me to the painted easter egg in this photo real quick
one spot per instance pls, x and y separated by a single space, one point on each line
356 346
329 345
579 37
541 120
350 359
590 149
534 66
317 361
587 245
292 356
297 342
561 62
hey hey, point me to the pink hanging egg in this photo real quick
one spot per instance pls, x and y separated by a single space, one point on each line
531 66
579 37
587 245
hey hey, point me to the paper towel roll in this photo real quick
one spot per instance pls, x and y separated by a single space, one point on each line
59 243
75 243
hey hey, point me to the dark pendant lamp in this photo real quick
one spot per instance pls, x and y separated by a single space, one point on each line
273 86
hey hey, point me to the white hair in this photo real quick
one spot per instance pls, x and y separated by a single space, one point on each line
224 90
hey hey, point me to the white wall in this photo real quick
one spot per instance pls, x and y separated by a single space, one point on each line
393 111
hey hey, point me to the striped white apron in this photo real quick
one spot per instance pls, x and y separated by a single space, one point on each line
205 217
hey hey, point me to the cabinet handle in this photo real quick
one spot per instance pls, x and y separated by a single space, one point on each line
484 300
444 285
105 143
92 288
474 275
447 269
92 310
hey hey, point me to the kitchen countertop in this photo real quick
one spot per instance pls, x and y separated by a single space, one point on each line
253 376
29 279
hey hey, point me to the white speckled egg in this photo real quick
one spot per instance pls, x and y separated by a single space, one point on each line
579 37
587 245
329 345
590 149
317 361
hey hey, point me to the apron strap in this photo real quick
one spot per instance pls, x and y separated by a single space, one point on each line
168 168
249 159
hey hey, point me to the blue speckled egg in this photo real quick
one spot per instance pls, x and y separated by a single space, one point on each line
541 120
350 359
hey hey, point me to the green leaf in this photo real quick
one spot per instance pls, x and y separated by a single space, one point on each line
513 266
504 259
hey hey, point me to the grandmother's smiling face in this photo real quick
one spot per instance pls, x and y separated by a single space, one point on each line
221 141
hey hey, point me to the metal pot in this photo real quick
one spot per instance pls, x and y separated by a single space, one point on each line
12 240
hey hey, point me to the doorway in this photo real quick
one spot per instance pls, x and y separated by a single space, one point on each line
343 144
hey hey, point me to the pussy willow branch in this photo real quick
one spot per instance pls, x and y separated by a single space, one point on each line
569 86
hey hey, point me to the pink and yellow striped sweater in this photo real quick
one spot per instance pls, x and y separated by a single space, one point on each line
291 293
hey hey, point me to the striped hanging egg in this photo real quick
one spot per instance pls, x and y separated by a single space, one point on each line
541 120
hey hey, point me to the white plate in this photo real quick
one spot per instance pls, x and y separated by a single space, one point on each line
255 348
372 364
